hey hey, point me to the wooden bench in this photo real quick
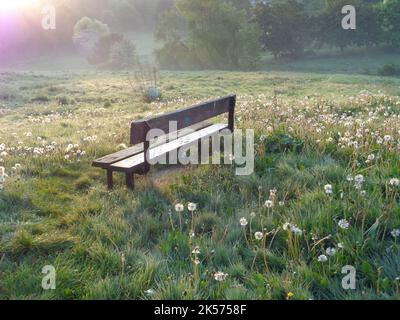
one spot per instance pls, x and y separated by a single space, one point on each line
191 127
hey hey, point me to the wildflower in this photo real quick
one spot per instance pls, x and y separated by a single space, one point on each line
363 193
359 179
371 157
259 235
340 245
243 222
395 233
314 237
69 148
290 295
2 171
281 203
196 261
220 276
253 215
272 194
328 189
191 234
344 224
387 138
149 292
269 204
322 258
179 207
394 182
17 166
286 226
331 252
196 250
297 231
192 207
350 178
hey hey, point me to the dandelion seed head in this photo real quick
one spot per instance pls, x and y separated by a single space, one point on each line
343 224
220 276
394 182
243 222
395 233
328 189
259 235
269 204
192 206
322 258
331 252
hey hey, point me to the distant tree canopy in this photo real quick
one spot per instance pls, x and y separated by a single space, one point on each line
208 34
390 18
229 33
93 39
285 26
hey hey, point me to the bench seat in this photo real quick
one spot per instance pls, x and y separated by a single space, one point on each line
129 165
106 161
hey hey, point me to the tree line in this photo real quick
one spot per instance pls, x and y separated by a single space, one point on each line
232 34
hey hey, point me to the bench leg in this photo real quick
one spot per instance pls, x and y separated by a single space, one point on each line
130 182
110 182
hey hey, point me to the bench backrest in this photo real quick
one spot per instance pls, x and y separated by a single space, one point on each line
184 118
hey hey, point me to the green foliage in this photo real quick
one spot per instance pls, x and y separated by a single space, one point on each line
329 25
285 27
211 34
389 69
123 55
283 142
87 33
390 16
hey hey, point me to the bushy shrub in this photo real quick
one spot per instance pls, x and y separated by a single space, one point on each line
123 55
389 69
283 142
103 48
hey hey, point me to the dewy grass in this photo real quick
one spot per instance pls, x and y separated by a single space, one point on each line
325 193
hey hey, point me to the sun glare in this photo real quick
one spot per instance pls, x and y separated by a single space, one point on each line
11 5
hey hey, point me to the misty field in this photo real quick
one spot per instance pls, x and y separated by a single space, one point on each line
325 193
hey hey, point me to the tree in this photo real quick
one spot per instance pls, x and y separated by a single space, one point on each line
329 26
285 27
211 33
103 48
87 33
390 17
123 55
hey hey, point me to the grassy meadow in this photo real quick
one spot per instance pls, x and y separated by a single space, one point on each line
324 193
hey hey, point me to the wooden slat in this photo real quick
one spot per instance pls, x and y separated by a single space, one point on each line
107 160
129 164
184 117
